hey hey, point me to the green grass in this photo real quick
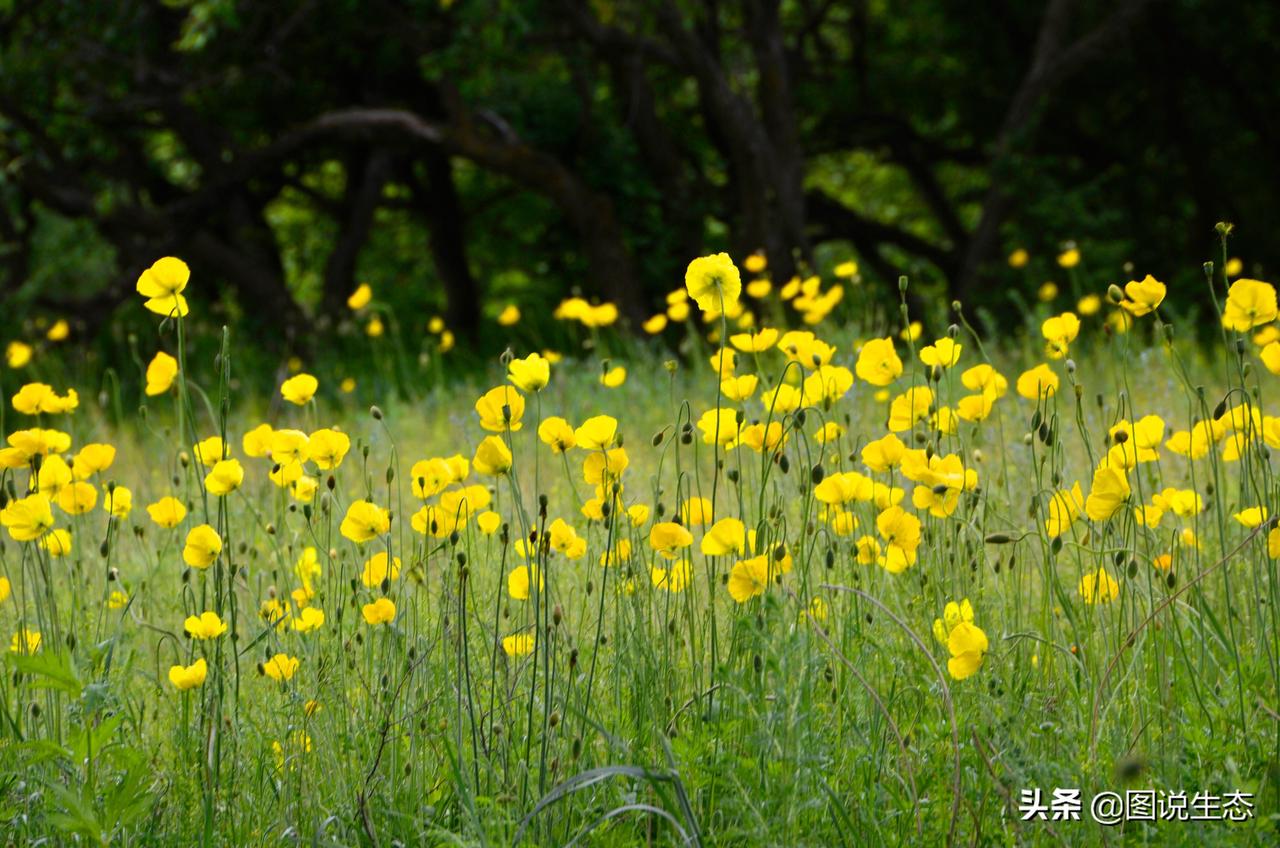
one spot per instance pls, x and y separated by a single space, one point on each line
642 716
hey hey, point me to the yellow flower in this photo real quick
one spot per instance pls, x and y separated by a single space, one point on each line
518 645
1250 303
304 489
365 521
1098 587
257 442
714 282
1064 508
1270 356
118 502
489 522
1019 258
280 667
17 354
500 409
299 388
381 611
327 448
1183 503
667 538
4 589
847 269
829 432
909 407
347 386
492 457
655 324
1069 258
673 579
952 614
983 378
161 372
91 459
162 285
25 641
168 512
597 433
1142 298
967 645
1090 304
531 373
1039 382
209 452
290 447
748 578
202 547
1109 492
57 542
901 532
757 342
225 477
117 600
520 579
614 377
738 389
206 625
36 441
755 263
40 398
374 329
719 426
1251 517
360 298
184 677
884 453
599 316
605 466
29 518
510 315
1047 292
726 536
557 433
77 498
54 474
878 362
1059 332
379 568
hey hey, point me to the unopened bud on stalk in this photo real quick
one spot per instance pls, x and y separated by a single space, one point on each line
376 412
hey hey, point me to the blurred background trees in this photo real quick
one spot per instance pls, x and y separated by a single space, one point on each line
461 155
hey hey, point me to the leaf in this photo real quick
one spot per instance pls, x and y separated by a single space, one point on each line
48 670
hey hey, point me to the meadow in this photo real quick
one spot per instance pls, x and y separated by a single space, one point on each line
785 569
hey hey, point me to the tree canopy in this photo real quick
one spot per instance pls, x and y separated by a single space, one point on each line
465 152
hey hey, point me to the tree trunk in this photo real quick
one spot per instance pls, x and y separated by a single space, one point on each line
361 197
439 203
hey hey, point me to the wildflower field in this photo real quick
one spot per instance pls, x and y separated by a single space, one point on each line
787 569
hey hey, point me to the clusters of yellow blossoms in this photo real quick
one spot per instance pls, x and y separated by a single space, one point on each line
868 505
